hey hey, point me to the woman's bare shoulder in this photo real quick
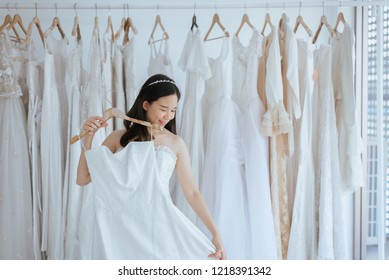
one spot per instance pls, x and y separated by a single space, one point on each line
113 140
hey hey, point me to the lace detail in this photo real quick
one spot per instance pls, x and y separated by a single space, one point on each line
166 164
276 121
9 86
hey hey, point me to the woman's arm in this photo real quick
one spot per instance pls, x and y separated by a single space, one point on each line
194 197
92 125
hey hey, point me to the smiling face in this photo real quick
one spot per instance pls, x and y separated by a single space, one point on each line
162 110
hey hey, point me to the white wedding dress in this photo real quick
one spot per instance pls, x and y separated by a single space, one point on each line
133 214
16 231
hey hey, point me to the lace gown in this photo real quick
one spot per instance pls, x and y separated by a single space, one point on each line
134 217
118 97
222 184
16 231
275 122
328 191
160 62
262 237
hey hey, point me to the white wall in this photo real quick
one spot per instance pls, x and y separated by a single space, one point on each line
177 23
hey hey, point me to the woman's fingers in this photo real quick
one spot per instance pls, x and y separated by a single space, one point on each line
219 255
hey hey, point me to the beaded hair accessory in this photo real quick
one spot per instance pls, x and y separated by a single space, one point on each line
161 81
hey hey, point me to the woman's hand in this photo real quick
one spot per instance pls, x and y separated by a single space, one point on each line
219 254
93 124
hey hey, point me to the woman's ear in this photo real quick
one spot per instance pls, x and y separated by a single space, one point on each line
145 105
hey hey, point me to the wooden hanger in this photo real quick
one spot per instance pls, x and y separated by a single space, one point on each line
299 21
339 19
267 22
165 35
129 25
216 19
110 113
323 21
109 28
35 21
76 29
245 19
281 26
121 29
17 20
56 24
7 21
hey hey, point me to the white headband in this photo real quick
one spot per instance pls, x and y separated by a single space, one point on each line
161 81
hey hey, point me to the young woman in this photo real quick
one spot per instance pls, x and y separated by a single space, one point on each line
152 227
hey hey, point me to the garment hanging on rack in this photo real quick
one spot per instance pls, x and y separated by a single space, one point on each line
290 83
194 62
34 81
275 122
134 215
160 62
54 141
255 151
108 44
73 194
349 137
16 228
222 184
303 231
131 84
329 197
119 100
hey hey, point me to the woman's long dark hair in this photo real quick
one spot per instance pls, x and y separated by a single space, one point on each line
155 87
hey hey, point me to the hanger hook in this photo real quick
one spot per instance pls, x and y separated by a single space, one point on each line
96 9
340 5
215 7
109 9
283 5
245 6
158 8
300 9
16 7
323 7
194 8
36 9
124 10
56 9
267 7
8 6
75 9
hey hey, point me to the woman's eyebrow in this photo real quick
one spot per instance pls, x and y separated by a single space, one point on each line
167 107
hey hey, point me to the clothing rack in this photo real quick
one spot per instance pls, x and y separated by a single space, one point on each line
182 6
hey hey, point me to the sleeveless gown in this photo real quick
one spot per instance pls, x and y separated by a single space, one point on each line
134 216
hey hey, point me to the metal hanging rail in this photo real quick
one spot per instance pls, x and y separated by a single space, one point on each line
182 6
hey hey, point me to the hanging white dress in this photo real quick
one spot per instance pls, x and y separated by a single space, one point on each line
222 184
94 93
131 83
262 239
303 232
54 141
290 83
108 76
159 62
134 215
329 197
275 122
350 142
16 229
72 192
195 63
119 100
34 83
